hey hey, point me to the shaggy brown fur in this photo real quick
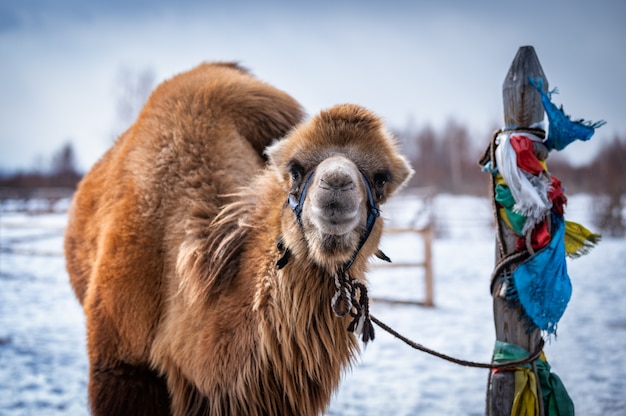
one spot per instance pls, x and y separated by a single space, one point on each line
171 249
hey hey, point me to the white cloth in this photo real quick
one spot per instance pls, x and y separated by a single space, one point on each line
530 192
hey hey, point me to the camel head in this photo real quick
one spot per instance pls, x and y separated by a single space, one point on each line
335 171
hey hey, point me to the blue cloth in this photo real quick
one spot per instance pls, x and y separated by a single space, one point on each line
542 284
562 130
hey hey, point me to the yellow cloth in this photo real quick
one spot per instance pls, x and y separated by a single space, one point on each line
505 217
525 402
578 239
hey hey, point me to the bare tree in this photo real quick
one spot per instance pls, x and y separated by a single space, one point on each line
609 168
64 171
455 142
64 160
132 90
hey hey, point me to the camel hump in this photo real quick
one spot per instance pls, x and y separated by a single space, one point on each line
212 119
226 92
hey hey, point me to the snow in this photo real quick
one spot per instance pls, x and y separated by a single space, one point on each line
43 363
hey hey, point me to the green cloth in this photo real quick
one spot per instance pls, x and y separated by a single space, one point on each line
505 198
525 401
556 401
504 352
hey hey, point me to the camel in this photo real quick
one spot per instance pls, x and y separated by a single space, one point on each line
219 249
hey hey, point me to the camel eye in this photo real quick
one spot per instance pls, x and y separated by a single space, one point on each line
296 170
381 179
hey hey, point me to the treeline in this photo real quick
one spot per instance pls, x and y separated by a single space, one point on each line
62 172
444 160
447 160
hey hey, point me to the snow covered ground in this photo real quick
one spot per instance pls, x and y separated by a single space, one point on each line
43 365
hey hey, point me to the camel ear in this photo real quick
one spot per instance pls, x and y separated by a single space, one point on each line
275 153
402 172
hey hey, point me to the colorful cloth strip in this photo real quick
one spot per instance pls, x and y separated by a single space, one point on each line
556 400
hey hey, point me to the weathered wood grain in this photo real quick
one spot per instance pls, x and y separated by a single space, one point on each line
522 108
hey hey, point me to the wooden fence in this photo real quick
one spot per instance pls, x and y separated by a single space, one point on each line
35 200
421 224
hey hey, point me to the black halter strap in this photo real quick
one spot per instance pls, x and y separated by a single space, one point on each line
351 294
372 214
372 208
296 205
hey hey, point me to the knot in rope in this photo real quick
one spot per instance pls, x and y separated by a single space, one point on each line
351 298
351 295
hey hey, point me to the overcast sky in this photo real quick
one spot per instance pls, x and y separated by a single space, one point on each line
414 62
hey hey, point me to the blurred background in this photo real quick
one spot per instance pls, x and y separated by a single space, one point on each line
74 74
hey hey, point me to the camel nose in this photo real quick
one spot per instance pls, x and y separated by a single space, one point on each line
337 182
337 174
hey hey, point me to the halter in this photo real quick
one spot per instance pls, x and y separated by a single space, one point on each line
373 212
345 300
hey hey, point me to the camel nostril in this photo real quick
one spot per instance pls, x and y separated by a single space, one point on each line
337 184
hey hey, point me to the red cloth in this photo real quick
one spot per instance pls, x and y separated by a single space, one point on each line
527 161
526 158
539 238
557 196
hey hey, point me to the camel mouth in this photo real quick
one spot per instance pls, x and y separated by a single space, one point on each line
336 212
333 221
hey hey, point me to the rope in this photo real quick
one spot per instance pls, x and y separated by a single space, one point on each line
508 260
492 366
345 301
346 293
351 298
505 263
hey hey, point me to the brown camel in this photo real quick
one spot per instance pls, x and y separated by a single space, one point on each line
221 267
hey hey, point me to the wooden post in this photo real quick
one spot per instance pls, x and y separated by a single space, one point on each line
428 266
522 108
429 236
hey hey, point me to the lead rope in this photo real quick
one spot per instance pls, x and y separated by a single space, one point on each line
508 364
351 295
351 298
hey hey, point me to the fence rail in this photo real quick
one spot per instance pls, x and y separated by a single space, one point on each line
35 200
419 220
